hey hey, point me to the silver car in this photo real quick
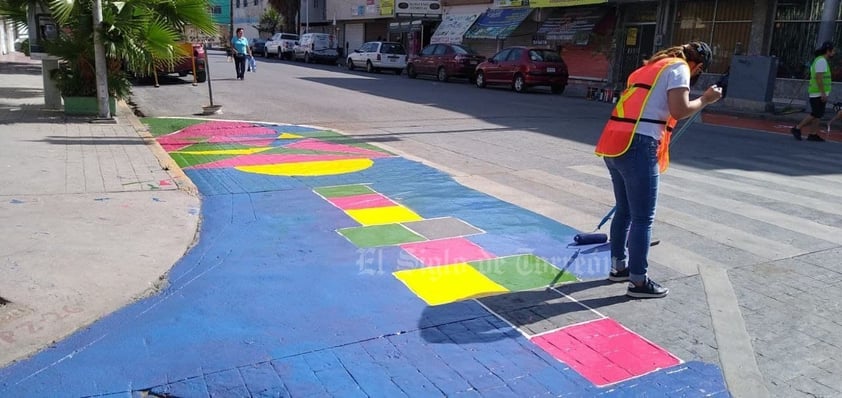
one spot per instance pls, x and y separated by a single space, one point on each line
375 56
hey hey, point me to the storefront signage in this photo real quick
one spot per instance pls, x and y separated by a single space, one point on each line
510 3
572 26
387 7
498 23
453 28
418 7
563 3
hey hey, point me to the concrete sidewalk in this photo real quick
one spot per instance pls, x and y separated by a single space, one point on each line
89 219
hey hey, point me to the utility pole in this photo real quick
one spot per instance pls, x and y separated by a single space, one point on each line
231 20
831 8
100 65
307 16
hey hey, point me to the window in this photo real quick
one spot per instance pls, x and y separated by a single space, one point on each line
724 24
544 56
216 10
255 2
459 49
429 50
393 48
794 36
238 3
515 55
440 50
502 55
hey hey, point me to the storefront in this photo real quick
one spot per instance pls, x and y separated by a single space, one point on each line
453 28
414 23
583 35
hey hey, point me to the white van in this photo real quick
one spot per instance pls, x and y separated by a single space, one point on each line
316 47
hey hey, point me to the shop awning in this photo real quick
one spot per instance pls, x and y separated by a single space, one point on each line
453 28
497 23
572 25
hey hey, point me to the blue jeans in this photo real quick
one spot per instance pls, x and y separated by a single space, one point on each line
635 177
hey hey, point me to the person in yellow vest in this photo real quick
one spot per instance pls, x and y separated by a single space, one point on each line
635 147
819 89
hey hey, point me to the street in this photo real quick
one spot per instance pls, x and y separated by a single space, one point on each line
374 235
749 221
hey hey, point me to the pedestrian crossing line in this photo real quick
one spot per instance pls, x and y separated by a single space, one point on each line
773 178
567 185
782 196
679 259
776 166
726 235
759 213
825 169
832 165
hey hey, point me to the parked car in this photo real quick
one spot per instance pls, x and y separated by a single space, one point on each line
184 65
378 55
524 67
281 45
316 47
258 47
444 61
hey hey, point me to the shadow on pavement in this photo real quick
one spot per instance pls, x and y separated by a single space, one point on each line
20 68
60 140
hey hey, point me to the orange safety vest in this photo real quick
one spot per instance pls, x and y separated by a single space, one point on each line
618 133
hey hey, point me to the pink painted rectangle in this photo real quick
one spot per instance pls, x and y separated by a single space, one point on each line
365 201
325 146
446 251
604 352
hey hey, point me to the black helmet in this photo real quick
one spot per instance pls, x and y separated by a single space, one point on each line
824 48
705 54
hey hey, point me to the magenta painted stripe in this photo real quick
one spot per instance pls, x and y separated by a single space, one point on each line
365 201
605 352
264 159
197 135
319 145
174 147
446 251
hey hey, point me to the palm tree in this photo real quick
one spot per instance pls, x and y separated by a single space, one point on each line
289 9
138 35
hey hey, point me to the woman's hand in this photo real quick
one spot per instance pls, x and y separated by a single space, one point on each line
712 94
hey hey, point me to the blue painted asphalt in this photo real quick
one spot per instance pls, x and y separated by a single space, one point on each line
273 302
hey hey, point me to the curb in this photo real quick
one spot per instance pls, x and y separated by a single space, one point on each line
164 160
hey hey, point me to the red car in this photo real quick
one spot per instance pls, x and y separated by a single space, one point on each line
444 61
524 67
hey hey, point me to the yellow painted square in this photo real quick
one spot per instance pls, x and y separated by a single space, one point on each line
448 283
383 215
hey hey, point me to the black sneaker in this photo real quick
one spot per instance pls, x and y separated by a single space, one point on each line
796 132
815 137
619 276
650 289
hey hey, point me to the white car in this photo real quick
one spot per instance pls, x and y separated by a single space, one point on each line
378 55
280 44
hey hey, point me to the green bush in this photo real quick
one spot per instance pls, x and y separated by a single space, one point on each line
24 46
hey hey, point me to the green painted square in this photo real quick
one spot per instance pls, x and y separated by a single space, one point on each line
187 160
522 272
344 190
380 235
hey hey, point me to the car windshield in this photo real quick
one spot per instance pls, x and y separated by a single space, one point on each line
392 48
544 56
464 50
289 37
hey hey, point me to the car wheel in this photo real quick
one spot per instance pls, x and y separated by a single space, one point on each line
306 58
201 76
480 79
557 89
519 85
410 72
350 64
369 67
442 75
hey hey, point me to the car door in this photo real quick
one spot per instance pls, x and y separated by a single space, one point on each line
424 60
438 58
358 55
511 65
495 65
273 43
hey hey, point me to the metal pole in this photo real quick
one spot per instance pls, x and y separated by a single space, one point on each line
828 24
307 16
100 65
231 24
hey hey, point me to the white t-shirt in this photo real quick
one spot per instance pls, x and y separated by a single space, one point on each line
821 66
676 75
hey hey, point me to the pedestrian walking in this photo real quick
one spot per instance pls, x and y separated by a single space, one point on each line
635 147
819 89
240 48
